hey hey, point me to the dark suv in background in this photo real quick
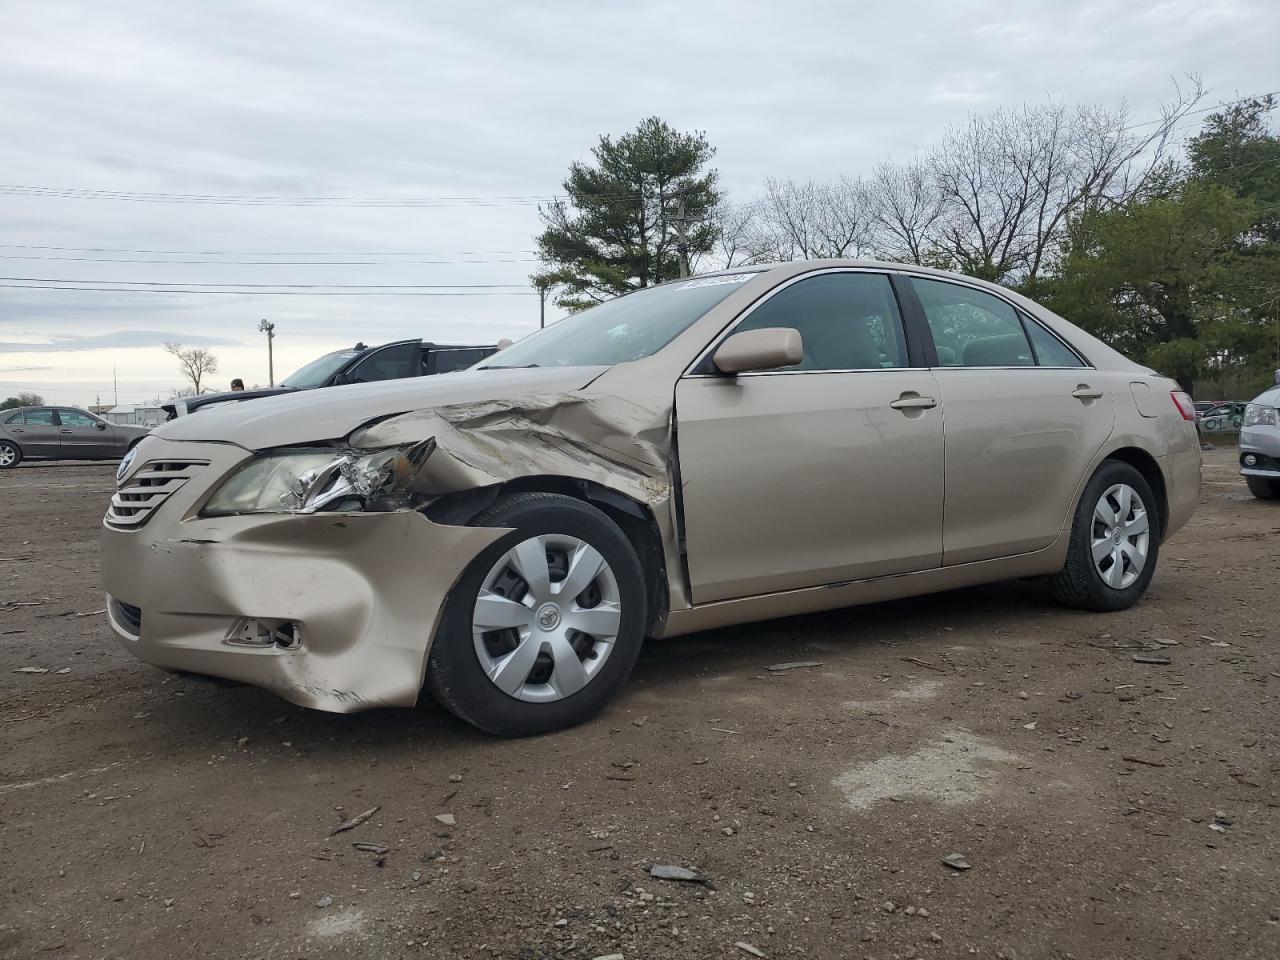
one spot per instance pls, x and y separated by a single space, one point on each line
359 364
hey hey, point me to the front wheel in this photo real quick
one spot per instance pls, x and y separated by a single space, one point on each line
10 455
1115 542
1264 488
545 624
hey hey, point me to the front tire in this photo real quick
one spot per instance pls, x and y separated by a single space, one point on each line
544 626
1264 488
10 455
1115 542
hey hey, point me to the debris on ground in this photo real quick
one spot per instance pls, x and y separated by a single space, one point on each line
793 665
1154 658
748 948
956 861
1142 760
32 670
672 872
370 847
448 819
354 821
324 901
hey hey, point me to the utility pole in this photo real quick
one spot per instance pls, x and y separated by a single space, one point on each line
115 386
682 239
270 330
544 288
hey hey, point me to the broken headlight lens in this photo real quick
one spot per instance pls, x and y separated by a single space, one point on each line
319 479
1259 415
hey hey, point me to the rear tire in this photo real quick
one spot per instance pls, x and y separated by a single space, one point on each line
10 455
1264 488
1115 542
509 656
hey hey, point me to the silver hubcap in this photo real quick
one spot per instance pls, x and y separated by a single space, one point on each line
546 618
1121 536
7 456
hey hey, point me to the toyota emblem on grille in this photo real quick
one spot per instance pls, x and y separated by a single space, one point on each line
125 464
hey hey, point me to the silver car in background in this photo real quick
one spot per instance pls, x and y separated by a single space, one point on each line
1260 444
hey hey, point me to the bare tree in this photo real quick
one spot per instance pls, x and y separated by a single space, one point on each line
906 205
1009 181
740 238
799 220
194 362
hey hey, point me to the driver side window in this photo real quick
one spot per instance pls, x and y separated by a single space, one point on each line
74 418
847 321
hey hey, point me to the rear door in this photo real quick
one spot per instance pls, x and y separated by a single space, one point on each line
85 437
820 473
38 433
1025 416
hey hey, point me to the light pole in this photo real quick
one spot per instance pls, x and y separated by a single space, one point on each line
270 330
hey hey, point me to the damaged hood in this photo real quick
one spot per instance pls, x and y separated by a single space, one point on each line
333 412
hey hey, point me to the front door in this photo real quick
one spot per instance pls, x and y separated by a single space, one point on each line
1025 418
85 437
820 473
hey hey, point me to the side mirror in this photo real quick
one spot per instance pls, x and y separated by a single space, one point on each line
339 379
100 425
761 349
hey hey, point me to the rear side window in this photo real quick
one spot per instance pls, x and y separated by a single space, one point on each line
446 361
40 418
847 321
971 328
1050 351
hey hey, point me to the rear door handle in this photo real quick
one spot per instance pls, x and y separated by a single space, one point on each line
66 432
914 402
1086 392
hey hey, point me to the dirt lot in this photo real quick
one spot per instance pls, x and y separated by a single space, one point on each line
1107 807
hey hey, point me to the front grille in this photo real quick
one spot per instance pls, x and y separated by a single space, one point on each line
129 615
151 486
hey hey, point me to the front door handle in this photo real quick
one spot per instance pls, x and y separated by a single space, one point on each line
913 401
66 432
1086 392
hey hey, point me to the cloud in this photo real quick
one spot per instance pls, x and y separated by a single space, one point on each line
122 339
26 369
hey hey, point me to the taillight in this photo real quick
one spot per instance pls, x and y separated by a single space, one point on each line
1185 407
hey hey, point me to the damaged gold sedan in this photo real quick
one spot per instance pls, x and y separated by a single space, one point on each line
742 445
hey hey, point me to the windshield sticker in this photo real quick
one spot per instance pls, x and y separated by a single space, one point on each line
717 281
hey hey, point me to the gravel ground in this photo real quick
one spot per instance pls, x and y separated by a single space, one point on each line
1107 808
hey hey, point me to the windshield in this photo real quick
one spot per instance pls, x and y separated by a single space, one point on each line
315 373
632 327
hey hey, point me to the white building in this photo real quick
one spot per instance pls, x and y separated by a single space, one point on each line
139 415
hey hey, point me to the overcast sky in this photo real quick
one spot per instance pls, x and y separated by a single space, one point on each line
314 98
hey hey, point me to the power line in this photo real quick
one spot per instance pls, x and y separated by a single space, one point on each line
271 253
272 293
288 286
261 263
82 193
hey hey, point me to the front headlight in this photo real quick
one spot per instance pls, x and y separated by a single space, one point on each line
306 480
1259 415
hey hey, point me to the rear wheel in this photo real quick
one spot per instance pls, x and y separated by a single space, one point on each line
1264 488
545 625
1115 542
10 455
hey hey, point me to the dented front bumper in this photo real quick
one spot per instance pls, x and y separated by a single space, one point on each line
362 592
